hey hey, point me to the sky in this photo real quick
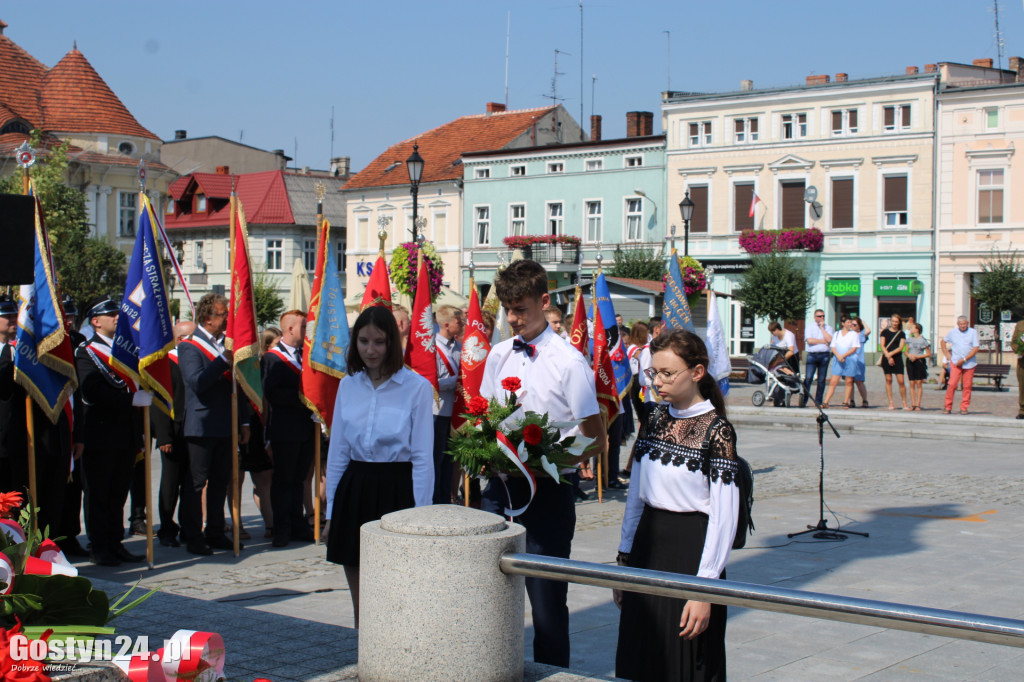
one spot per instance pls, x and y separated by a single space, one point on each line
270 73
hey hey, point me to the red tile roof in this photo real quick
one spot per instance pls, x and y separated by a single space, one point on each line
263 195
20 76
443 146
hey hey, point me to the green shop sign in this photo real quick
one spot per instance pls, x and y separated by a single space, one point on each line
898 287
842 287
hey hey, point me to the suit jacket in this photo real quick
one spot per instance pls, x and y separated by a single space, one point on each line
207 390
165 429
289 418
110 422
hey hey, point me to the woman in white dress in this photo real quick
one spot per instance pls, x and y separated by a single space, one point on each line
845 343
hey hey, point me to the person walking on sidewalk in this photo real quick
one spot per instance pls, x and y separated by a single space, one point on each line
817 337
918 349
960 346
1017 344
844 345
893 341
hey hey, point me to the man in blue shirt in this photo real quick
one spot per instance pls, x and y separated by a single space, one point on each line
817 337
960 346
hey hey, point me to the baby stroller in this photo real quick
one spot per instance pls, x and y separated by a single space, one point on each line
768 366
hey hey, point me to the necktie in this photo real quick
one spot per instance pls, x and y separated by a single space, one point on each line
519 345
298 357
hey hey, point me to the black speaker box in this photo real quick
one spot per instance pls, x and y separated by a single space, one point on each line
17 237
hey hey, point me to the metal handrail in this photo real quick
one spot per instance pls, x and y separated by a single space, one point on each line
921 619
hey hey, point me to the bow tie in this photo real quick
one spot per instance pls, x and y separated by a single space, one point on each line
520 345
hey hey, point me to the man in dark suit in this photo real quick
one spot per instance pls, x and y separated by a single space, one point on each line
206 372
290 430
170 440
70 525
112 435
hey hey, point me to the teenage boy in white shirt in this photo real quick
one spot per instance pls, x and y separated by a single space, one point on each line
555 380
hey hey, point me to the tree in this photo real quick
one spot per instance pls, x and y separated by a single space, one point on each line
638 264
776 287
87 267
269 305
1000 286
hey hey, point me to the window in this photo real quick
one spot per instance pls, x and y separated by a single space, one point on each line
517 171
200 202
990 196
482 173
126 147
842 203
227 255
634 219
896 117
844 122
170 207
700 133
635 161
339 255
895 207
309 254
517 220
743 194
126 214
200 261
594 164
556 167
744 130
555 218
794 126
441 227
593 209
275 254
363 231
483 225
992 118
793 210
699 197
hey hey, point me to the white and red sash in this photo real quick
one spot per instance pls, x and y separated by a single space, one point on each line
173 355
288 360
206 348
100 354
446 361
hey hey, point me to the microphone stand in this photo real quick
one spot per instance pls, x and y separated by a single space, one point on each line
821 530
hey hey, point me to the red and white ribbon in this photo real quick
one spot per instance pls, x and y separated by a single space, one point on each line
518 458
37 566
48 550
6 573
13 529
195 656
140 667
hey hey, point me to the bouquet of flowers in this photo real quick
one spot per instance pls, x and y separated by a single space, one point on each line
503 438
694 280
404 264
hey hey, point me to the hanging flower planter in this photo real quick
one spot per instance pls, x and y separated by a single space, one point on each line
792 239
404 262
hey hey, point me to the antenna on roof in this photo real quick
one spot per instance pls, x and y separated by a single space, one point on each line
583 135
554 80
999 39
508 37
74 44
332 132
295 156
241 135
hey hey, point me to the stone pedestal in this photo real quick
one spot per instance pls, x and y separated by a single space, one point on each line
433 604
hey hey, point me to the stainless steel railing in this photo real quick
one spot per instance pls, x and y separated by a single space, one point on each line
924 620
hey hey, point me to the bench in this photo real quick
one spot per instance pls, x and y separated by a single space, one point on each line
740 366
992 371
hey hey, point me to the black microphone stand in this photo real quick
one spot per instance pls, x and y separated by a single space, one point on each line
821 530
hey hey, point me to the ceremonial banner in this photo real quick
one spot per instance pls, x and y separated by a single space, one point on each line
242 337
43 358
327 335
145 333
420 351
719 365
676 311
475 348
604 377
378 289
616 349
578 336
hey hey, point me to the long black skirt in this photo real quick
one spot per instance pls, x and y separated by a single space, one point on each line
650 647
366 492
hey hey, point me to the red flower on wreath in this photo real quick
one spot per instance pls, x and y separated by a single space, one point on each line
478 405
532 434
8 503
511 384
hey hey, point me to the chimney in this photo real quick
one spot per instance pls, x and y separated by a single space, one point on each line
930 68
842 77
223 170
986 63
746 85
180 134
2 27
639 123
278 152
340 166
595 127
819 79
912 71
1017 66
495 107
305 170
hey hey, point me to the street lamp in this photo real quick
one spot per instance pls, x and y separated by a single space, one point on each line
686 209
415 165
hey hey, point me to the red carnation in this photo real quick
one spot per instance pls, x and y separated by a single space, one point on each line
532 434
511 384
478 405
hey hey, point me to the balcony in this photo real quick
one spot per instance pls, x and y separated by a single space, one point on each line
568 254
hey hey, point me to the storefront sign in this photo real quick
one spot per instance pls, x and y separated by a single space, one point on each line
723 267
898 287
842 287
364 268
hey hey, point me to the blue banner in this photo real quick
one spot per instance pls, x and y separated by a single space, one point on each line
330 336
676 310
145 332
616 346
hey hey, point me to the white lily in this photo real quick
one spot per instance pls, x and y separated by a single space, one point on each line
579 445
547 466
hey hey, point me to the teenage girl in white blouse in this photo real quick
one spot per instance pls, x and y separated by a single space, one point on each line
681 516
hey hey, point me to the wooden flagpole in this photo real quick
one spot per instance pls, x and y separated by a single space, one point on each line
465 473
147 459
321 191
236 513
30 425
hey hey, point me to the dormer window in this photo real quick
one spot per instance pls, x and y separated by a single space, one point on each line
200 203
126 148
16 126
170 207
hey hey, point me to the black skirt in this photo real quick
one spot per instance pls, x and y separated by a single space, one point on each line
650 647
917 370
896 367
366 492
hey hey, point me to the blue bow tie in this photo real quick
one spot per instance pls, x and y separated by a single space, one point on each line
520 345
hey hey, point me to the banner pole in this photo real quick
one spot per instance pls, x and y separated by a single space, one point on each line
32 490
316 483
148 464
236 515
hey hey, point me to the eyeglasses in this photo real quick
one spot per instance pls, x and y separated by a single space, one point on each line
665 376
819 315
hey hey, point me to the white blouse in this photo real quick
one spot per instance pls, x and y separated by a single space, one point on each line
392 423
844 342
673 486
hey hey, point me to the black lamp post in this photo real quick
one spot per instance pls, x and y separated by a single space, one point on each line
415 166
686 209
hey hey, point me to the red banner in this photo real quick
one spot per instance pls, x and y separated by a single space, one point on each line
475 347
578 337
378 289
318 389
604 373
421 352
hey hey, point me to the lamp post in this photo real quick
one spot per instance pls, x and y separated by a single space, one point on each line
686 209
415 165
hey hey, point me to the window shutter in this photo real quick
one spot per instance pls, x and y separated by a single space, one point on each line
793 204
699 197
842 203
890 117
743 193
837 121
895 193
852 116
753 126
738 126
905 111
